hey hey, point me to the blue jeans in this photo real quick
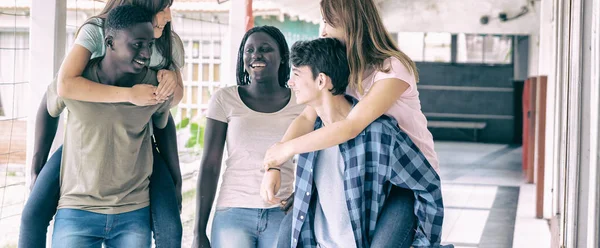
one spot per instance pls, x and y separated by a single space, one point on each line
285 231
397 222
246 227
79 228
43 200
395 226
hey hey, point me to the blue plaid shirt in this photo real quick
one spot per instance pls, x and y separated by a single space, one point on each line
378 157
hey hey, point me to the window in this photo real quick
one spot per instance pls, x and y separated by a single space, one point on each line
497 49
205 95
205 71
217 72
14 57
412 44
206 49
194 94
184 113
195 71
14 74
184 72
430 47
437 47
186 48
185 93
477 48
196 50
470 48
217 50
201 74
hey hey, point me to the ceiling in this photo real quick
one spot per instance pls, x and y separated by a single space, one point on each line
306 10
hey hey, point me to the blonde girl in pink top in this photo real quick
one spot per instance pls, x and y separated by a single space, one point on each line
382 77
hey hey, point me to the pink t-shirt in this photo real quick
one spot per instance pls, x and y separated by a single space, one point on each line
407 109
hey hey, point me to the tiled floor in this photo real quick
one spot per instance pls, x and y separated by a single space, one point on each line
481 185
485 198
487 203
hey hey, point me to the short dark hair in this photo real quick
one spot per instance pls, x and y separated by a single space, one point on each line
324 55
125 16
284 68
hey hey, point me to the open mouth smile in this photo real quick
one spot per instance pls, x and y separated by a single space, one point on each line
258 65
141 62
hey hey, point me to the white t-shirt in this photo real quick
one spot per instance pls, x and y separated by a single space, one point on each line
407 109
249 135
332 224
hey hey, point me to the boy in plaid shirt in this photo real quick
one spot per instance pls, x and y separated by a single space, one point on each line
341 191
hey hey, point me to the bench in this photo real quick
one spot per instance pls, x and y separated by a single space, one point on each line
458 124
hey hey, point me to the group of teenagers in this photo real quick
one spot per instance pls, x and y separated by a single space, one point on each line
347 104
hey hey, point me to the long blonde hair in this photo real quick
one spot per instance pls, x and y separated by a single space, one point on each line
367 40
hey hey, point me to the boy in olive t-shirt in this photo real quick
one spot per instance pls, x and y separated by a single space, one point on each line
107 153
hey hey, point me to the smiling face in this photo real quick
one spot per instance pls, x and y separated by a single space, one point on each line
305 85
261 57
160 20
131 47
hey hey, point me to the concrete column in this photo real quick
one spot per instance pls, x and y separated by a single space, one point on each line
547 65
47 37
520 57
235 33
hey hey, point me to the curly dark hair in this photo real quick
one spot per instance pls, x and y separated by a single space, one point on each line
284 68
125 16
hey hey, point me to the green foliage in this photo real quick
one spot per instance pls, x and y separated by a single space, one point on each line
183 124
188 195
197 138
174 111
196 130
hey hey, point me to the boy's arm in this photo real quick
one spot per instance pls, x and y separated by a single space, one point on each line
45 130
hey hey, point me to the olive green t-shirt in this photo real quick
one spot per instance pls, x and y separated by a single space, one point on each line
107 152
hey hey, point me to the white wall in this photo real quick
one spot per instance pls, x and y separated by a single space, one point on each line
458 16
534 56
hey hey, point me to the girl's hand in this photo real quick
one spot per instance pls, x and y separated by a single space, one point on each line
167 82
277 154
143 95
